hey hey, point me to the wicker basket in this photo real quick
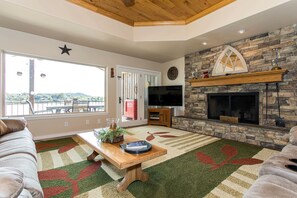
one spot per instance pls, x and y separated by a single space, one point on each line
115 140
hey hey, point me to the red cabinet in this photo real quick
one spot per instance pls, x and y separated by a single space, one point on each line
131 109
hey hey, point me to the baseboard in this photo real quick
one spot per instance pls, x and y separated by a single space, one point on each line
67 134
55 136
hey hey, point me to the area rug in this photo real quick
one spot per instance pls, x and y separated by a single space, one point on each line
195 166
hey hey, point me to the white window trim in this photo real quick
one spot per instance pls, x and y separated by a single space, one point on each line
139 71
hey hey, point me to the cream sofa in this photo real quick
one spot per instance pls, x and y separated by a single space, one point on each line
278 174
18 161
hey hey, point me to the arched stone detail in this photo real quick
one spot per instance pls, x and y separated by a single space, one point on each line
230 61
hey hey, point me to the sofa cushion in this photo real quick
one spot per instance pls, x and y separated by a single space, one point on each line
293 135
23 134
14 146
290 151
11 180
276 165
28 166
272 186
3 128
25 194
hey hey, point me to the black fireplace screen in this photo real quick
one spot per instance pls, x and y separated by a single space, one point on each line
244 106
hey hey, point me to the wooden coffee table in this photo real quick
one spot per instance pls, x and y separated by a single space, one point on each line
121 159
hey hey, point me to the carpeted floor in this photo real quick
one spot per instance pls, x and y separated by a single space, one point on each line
195 166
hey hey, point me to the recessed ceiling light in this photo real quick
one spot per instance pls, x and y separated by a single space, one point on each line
241 31
204 43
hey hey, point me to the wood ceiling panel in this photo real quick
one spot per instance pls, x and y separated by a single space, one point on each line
199 6
153 12
209 10
184 7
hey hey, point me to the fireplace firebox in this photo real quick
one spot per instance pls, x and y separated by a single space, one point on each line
244 106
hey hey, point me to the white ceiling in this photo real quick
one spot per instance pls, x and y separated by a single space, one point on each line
34 21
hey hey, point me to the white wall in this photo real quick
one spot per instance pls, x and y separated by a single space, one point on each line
29 44
180 80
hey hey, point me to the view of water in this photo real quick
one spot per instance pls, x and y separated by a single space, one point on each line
17 109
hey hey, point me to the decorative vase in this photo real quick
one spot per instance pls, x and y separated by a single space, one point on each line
205 74
275 60
112 123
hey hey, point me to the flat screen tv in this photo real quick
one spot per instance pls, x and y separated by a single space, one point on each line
165 95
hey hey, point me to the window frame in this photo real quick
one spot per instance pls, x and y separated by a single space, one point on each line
51 115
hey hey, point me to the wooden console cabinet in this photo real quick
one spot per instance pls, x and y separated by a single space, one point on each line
160 116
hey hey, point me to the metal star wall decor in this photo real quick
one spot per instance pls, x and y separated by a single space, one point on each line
65 50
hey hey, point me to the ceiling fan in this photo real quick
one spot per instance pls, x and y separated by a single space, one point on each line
129 3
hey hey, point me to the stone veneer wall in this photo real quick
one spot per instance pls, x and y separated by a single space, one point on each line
257 52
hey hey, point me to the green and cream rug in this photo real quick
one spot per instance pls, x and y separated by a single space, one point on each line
195 166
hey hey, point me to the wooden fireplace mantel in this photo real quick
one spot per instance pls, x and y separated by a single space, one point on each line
246 78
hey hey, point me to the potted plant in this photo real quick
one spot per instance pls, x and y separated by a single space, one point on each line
111 134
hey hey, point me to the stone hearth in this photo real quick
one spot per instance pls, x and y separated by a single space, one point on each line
265 136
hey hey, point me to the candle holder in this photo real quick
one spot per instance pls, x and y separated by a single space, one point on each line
275 64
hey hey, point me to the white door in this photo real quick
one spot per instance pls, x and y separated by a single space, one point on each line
132 89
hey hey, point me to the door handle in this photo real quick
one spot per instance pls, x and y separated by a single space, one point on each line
120 100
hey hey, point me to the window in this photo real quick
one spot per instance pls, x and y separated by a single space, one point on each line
39 86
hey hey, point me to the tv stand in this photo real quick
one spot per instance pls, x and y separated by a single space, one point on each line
160 116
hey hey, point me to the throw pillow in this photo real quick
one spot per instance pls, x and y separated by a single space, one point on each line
3 128
11 180
15 124
293 135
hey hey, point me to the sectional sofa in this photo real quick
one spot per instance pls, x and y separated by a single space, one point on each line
18 161
278 174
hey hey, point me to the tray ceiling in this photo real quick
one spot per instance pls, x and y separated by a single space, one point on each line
153 12
65 21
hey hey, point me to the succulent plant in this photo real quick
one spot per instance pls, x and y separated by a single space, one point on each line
109 134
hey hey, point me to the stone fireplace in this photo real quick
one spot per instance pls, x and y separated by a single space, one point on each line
258 54
242 106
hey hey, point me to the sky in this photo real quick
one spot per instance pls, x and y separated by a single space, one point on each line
61 77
